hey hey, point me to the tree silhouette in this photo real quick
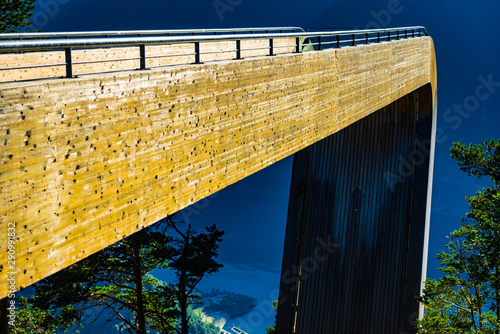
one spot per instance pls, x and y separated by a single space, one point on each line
467 298
192 257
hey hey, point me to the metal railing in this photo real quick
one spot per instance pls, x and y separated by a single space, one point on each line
142 33
304 41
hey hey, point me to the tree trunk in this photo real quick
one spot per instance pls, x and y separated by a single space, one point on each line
140 318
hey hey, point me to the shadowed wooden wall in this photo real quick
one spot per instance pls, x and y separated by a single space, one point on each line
355 249
88 161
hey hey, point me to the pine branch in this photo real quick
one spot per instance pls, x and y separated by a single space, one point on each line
119 315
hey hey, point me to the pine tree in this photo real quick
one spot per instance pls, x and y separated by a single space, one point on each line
192 258
467 298
15 14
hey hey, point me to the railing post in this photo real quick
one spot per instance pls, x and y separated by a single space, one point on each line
406 33
378 37
388 36
271 47
353 40
142 54
366 36
69 63
413 33
297 45
197 53
319 42
238 49
338 41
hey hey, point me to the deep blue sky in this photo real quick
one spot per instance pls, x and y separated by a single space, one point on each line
253 212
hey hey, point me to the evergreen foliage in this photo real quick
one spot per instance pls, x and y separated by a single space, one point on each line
467 298
192 257
269 329
116 283
15 14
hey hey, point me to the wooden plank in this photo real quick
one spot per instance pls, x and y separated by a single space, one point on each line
178 132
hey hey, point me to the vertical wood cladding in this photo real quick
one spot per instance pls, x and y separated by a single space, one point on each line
87 161
356 222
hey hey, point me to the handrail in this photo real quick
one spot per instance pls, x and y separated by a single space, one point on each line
34 35
35 45
302 41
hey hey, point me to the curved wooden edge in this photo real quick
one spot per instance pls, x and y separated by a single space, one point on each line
433 83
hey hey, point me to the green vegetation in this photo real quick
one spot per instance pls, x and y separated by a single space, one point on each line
272 330
117 279
467 298
304 45
117 282
198 326
15 14
30 319
225 302
192 257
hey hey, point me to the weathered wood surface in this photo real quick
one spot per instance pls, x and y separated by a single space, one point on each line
90 160
161 55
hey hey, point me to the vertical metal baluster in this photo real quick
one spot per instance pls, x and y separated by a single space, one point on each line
238 49
366 36
142 55
271 47
378 37
69 63
338 41
197 53
353 40
319 42
297 45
